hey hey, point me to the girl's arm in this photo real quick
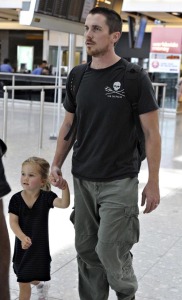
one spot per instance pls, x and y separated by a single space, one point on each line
14 224
63 202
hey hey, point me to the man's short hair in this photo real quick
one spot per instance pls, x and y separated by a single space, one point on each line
113 19
6 61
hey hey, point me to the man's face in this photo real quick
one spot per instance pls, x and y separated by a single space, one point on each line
97 38
44 65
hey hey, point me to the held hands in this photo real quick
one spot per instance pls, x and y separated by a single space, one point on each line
26 243
56 178
150 197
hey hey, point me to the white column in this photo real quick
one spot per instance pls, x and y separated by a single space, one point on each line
72 43
46 45
84 55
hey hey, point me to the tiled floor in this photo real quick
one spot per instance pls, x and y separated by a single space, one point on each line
157 258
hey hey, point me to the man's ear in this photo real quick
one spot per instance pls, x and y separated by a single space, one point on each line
116 37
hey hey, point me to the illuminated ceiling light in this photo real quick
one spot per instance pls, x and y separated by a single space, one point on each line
175 13
104 1
157 22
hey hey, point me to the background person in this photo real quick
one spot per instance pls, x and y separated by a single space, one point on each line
105 163
38 70
45 71
6 67
4 237
28 212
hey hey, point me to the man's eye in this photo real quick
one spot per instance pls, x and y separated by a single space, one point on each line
96 28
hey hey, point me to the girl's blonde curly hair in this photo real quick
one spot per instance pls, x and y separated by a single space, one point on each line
43 168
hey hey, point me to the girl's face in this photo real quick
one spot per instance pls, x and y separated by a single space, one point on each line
31 179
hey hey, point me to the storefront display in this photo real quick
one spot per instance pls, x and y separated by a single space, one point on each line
165 62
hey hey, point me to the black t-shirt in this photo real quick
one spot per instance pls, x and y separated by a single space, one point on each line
105 147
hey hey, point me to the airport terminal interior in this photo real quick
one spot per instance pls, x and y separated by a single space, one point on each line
157 257
30 122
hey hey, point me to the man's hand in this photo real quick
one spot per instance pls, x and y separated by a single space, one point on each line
150 197
56 178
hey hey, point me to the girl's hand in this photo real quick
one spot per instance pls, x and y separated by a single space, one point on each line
64 185
59 183
26 243
55 177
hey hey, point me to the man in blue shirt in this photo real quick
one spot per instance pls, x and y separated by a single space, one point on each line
5 67
38 70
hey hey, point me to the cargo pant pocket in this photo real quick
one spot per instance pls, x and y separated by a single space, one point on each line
116 237
130 228
121 227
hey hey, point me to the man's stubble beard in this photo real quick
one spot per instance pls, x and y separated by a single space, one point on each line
97 52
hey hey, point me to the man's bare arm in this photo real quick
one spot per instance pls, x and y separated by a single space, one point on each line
62 149
150 125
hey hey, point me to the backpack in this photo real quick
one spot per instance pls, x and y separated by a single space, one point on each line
131 79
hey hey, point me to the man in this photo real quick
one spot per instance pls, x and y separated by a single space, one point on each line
105 163
6 67
39 69
4 237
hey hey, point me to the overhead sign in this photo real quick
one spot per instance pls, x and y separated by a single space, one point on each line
165 50
164 63
88 5
166 40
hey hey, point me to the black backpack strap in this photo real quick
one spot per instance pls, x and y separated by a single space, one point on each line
72 86
132 83
75 78
132 89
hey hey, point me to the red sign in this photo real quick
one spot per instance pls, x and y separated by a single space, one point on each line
166 40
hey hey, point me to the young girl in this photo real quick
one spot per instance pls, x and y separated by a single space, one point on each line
28 211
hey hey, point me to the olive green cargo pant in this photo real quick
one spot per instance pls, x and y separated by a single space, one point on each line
106 227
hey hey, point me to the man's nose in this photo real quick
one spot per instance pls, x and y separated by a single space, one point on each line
89 33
